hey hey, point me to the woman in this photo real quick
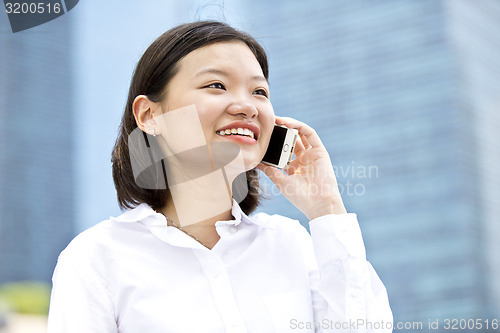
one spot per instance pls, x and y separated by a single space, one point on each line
185 256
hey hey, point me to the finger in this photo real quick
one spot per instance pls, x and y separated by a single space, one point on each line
276 176
290 168
299 147
296 161
307 133
305 142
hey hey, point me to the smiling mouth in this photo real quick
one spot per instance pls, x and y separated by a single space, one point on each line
237 131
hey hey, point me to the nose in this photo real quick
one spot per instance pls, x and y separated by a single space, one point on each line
243 107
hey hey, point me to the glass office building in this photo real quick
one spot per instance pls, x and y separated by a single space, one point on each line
404 95
36 149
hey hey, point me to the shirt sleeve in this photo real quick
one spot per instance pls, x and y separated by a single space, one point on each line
347 294
80 301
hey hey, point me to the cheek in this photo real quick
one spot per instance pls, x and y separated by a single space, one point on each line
208 124
267 122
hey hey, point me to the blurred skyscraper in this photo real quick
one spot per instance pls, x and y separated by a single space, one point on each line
36 191
405 96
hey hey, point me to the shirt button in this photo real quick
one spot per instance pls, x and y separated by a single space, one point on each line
233 229
215 272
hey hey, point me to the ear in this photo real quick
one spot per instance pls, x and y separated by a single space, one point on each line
144 111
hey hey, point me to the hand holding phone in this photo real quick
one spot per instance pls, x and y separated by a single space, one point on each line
309 183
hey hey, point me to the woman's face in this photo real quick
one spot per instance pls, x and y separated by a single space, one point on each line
226 84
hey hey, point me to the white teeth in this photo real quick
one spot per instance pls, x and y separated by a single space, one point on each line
239 131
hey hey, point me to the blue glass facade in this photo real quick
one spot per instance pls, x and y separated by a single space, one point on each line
397 87
36 172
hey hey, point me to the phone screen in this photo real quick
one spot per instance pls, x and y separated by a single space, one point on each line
276 143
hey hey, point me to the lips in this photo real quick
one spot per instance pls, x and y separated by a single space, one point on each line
240 128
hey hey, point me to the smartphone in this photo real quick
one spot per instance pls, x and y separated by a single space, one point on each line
280 150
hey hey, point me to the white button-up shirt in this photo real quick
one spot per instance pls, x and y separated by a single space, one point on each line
135 274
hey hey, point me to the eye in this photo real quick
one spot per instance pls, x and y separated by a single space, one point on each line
216 85
261 92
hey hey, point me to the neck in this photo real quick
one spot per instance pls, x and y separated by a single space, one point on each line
207 219
201 224
197 202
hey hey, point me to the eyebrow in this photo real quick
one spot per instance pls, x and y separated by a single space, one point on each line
224 73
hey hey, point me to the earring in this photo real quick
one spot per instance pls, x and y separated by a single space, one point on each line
151 130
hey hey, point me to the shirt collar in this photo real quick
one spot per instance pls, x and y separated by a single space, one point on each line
144 213
137 214
240 216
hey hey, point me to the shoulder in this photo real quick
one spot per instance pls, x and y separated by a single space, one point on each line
282 225
274 220
111 234
90 241
103 240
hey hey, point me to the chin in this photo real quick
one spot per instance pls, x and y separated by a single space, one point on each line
251 165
